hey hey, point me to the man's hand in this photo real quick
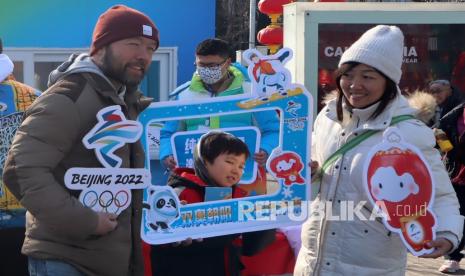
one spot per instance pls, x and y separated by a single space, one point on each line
261 158
187 241
441 247
169 162
106 223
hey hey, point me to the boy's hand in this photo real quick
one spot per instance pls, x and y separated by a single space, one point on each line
187 242
106 223
441 247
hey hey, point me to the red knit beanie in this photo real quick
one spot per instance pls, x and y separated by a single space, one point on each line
121 22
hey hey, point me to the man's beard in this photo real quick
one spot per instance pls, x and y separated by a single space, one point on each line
119 72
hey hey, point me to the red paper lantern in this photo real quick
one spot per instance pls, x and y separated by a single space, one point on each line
272 6
272 36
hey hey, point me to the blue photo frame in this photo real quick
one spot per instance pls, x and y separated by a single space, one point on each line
287 164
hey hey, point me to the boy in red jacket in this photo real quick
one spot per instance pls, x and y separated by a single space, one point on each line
219 161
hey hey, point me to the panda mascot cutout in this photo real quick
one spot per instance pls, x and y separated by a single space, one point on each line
162 208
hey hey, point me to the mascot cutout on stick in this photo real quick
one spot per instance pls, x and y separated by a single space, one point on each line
398 183
162 208
287 166
108 189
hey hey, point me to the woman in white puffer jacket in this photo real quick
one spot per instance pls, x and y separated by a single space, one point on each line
368 98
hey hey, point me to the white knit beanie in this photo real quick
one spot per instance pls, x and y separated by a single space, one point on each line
380 47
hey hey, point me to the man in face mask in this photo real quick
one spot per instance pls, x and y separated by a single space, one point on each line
213 68
216 76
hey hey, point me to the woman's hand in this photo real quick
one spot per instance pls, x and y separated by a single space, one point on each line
441 247
313 166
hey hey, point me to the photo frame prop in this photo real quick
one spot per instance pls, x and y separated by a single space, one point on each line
400 185
287 164
108 189
183 144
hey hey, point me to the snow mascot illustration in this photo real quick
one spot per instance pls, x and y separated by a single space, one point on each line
162 208
269 74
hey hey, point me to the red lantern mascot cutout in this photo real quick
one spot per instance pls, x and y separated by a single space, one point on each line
398 181
287 166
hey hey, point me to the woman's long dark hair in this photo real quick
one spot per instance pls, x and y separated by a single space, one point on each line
389 94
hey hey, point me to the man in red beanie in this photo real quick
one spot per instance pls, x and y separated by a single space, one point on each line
63 235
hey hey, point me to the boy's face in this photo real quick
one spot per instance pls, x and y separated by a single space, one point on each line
226 169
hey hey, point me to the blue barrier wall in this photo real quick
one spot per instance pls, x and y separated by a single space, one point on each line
69 24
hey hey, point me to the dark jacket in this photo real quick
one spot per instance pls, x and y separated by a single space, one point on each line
215 256
455 157
47 144
451 102
455 99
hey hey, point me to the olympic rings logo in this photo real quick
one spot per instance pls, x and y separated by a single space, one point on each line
106 189
106 200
